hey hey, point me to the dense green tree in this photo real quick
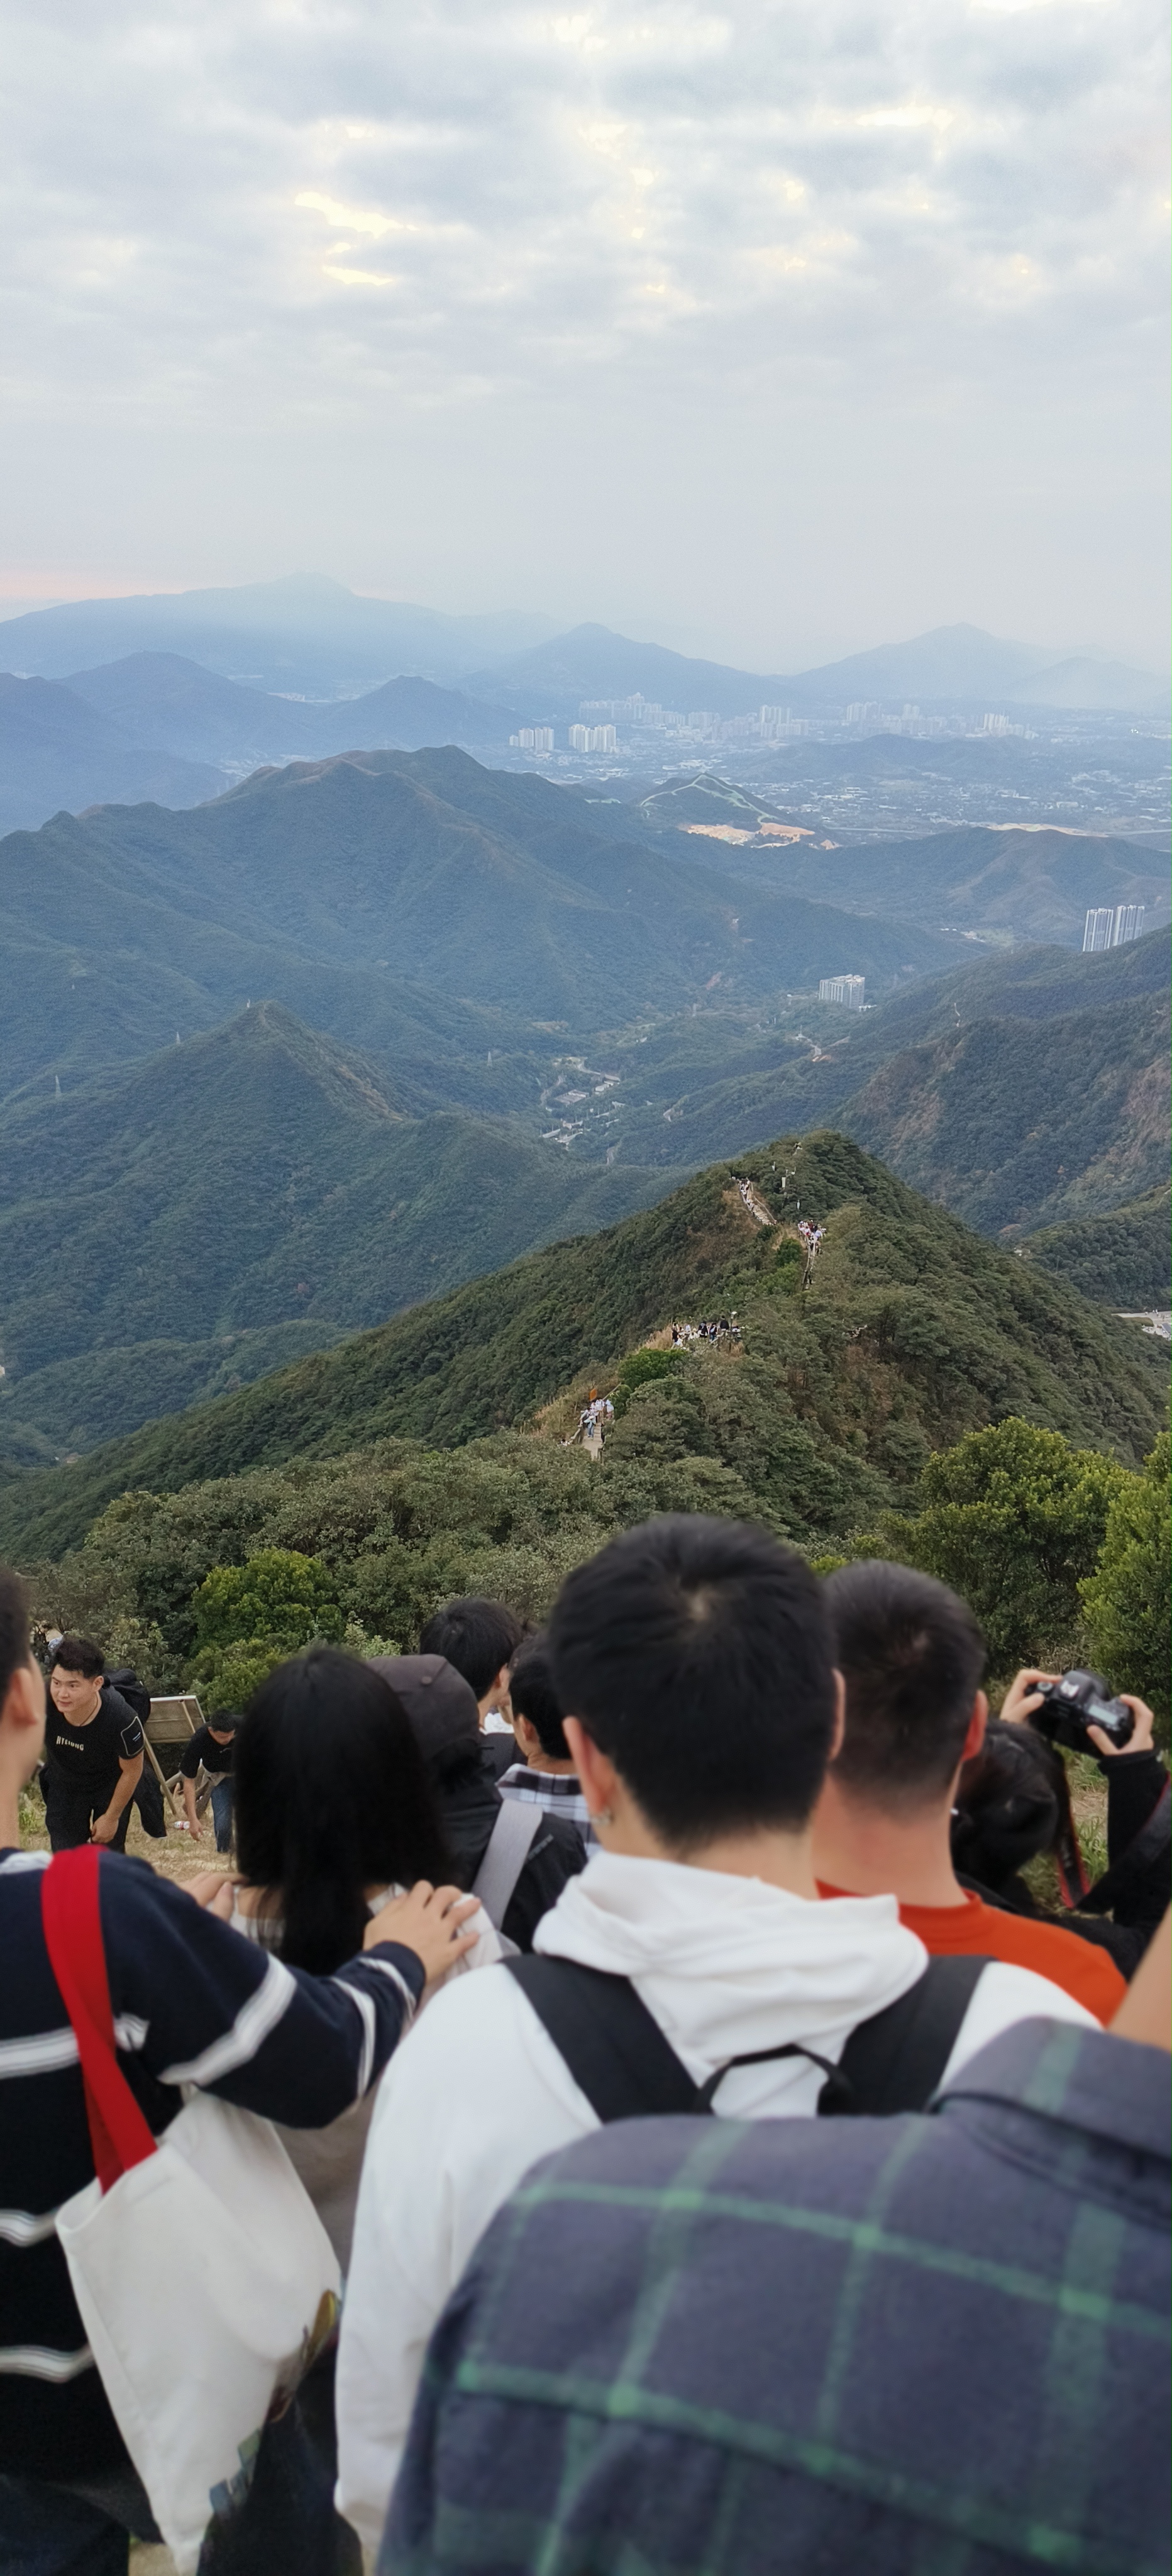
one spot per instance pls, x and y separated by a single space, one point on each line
1014 1519
249 1617
1127 1601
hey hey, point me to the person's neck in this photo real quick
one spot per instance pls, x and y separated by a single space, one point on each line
10 1790
778 1859
863 1852
540 1761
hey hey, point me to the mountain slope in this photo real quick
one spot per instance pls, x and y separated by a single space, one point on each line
57 751
1122 1260
424 867
256 1178
975 877
700 1087
1016 1125
913 1330
166 700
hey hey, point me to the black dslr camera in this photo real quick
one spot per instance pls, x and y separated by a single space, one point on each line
1077 1701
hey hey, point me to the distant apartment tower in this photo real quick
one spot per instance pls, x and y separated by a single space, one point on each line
848 989
1112 927
591 737
532 738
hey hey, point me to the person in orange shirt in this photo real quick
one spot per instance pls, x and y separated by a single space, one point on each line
912 1657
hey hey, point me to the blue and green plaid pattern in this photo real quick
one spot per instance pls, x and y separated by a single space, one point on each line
916 2347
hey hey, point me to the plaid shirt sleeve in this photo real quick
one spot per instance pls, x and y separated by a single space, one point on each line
933 2343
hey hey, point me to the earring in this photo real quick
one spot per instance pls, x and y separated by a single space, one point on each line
603 1816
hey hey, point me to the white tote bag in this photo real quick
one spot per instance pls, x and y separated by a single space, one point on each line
205 2279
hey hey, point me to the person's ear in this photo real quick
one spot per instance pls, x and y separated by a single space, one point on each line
22 1714
526 1734
839 1717
976 1730
597 1776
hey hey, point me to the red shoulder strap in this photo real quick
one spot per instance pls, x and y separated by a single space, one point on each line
72 1923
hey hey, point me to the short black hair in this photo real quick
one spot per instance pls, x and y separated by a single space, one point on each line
912 1657
78 1655
15 1646
474 1635
532 1694
696 1652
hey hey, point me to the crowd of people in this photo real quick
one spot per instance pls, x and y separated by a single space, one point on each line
716 1328
543 1951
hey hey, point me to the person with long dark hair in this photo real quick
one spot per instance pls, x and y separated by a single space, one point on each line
334 1811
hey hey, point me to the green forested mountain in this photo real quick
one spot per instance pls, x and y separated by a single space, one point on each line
1030 885
1028 1087
1012 1123
913 1330
1121 1260
316 882
161 1233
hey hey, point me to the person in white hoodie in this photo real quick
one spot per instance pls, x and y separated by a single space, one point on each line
695 1656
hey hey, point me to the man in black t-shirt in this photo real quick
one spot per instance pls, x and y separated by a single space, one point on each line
213 1748
93 1750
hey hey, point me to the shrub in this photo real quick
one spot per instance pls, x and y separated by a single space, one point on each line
1014 1519
1128 1599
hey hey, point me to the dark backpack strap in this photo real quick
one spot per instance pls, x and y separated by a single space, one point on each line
894 2061
613 2047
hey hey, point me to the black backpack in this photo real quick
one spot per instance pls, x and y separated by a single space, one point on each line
148 1797
619 2058
134 1692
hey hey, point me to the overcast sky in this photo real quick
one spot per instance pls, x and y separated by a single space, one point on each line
768 328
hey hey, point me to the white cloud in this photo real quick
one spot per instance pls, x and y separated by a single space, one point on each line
750 287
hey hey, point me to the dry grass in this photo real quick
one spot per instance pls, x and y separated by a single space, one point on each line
179 1857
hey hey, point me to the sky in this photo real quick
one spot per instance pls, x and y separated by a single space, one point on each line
770 329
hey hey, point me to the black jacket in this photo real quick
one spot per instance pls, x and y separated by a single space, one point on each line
470 1803
1135 1786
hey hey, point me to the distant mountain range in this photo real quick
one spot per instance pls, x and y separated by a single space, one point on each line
321 640
344 888
303 633
952 664
149 729
234 1202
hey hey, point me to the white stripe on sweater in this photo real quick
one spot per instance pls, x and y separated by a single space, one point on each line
253 2024
37 2361
27 2226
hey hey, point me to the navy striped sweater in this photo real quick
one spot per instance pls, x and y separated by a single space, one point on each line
192 2004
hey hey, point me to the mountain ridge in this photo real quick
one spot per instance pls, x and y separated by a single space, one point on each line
921 1302
258 1179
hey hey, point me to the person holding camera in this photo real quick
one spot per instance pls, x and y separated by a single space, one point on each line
1018 1803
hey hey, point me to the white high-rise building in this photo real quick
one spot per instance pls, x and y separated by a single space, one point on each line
1112 926
532 738
592 737
848 989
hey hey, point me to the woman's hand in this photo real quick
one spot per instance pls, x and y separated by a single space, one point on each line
213 1889
1139 1741
429 1920
1023 1696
